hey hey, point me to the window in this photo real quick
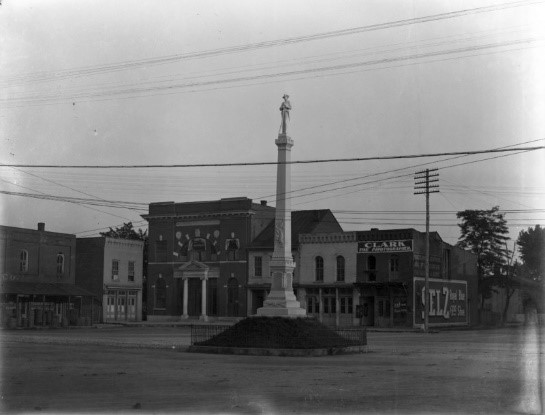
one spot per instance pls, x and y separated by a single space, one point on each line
313 305
161 251
394 267
131 271
23 260
319 269
340 268
372 268
160 293
60 265
258 266
212 293
115 269
346 305
394 263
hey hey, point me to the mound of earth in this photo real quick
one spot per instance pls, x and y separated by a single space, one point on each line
278 333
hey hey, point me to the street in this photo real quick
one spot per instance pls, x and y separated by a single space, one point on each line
94 370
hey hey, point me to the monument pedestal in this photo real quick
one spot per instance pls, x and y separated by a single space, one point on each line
281 301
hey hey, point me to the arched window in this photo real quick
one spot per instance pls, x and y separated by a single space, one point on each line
60 264
319 268
23 260
340 268
372 268
160 293
232 297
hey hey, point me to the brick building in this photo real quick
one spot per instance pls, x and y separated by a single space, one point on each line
261 250
38 279
111 268
198 261
375 278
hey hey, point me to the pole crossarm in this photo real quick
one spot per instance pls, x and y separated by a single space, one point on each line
424 185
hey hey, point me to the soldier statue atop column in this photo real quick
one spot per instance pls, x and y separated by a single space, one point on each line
285 114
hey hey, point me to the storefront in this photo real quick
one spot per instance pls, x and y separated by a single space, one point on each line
25 304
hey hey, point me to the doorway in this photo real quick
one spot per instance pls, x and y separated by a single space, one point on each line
232 297
368 311
194 297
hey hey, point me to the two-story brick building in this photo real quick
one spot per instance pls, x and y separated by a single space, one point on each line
111 268
376 278
197 264
261 250
38 279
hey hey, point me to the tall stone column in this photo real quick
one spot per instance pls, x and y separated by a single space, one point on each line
281 300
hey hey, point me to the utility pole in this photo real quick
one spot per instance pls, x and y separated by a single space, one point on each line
422 185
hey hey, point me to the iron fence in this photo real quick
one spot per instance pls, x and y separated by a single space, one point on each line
329 337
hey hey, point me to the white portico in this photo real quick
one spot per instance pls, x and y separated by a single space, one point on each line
193 270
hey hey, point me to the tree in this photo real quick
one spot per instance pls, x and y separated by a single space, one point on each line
506 278
126 232
483 232
531 245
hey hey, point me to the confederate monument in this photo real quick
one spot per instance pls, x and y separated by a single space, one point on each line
281 301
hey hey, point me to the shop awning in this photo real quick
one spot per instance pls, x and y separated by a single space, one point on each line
43 288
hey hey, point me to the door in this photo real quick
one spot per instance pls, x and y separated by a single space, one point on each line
121 314
368 311
109 311
383 309
194 297
232 297
131 306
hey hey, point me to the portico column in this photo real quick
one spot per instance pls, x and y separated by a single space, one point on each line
185 299
203 317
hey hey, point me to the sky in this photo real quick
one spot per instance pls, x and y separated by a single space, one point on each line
122 83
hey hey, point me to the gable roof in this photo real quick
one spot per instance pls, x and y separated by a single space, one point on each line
302 221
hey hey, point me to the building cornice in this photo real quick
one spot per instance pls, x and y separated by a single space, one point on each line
327 238
194 216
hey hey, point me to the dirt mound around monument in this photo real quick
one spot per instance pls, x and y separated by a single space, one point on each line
279 333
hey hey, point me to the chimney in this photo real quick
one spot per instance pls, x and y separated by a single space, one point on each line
263 203
41 226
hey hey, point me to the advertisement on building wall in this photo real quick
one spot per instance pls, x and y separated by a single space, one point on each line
401 245
447 299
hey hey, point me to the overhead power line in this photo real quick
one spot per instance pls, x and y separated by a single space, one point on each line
144 91
99 69
264 163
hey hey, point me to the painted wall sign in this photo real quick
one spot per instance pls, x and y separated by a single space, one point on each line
401 245
447 299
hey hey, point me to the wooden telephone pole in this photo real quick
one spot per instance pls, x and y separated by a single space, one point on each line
422 185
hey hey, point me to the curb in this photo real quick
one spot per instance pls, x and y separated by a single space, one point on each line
251 351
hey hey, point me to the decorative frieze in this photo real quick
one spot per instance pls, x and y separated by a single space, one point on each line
345 237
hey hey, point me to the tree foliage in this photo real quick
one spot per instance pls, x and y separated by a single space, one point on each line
483 232
531 244
126 231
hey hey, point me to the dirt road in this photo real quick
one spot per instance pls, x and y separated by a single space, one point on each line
489 371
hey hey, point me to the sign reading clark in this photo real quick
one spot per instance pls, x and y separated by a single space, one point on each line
404 245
